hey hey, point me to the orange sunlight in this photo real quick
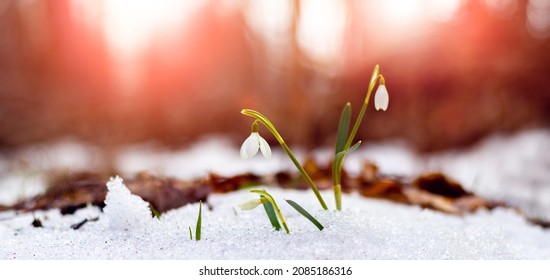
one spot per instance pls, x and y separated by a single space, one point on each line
405 14
131 28
131 25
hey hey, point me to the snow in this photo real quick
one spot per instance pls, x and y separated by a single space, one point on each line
367 229
511 168
123 210
212 154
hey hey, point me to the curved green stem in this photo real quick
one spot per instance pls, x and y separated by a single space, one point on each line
337 165
275 206
375 76
265 121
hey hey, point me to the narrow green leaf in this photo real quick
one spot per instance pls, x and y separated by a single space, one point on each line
343 128
190 233
304 213
271 214
339 157
275 207
199 223
351 149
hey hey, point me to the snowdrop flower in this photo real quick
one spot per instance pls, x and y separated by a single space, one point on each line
381 98
253 143
251 204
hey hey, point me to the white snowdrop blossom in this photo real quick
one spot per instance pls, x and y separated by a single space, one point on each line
251 204
252 144
381 98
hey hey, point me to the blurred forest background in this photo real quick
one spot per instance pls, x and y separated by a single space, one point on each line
122 71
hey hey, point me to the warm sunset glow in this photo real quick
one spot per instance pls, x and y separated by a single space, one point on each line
398 13
123 71
272 19
131 25
538 18
320 30
442 11
392 23
406 14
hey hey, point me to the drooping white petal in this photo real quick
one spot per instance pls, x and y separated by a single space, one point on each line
381 98
251 204
264 147
250 146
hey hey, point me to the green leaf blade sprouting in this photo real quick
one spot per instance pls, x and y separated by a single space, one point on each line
341 154
271 215
190 233
154 211
304 213
199 223
339 158
275 207
343 128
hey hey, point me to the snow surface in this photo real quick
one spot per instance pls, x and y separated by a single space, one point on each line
512 168
367 229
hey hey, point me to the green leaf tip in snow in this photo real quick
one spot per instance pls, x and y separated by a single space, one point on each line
190 233
271 214
304 213
199 223
154 211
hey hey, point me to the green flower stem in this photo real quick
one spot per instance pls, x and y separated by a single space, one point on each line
305 176
261 118
275 206
338 195
338 166
375 76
